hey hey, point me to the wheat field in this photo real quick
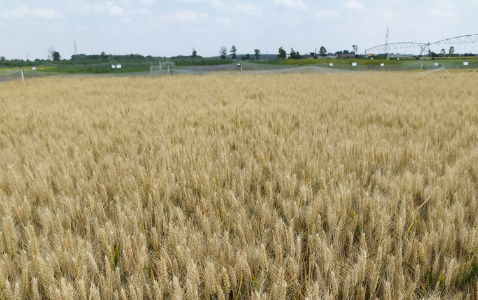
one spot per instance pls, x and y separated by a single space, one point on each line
318 186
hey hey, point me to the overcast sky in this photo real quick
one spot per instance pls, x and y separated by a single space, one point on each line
175 27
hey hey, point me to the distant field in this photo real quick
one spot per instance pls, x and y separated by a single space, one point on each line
201 66
94 69
317 186
337 61
375 61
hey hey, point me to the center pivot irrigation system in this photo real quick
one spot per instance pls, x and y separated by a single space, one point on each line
424 47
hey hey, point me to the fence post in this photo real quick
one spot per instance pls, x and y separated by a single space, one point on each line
23 77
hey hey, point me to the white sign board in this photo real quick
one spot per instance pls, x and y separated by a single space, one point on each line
465 63
34 69
436 64
118 66
354 64
113 66
382 64
331 65
372 58
398 58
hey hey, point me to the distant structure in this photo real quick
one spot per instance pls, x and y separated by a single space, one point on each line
348 55
385 48
74 46
422 47
331 55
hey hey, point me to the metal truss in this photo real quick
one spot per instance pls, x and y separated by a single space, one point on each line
464 39
394 46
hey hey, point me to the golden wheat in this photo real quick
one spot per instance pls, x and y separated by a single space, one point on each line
237 187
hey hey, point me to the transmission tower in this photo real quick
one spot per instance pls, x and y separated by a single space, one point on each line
385 48
74 45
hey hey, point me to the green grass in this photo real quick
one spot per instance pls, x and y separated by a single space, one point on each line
337 61
5 70
100 69
452 63
458 60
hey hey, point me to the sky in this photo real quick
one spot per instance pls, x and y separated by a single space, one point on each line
29 28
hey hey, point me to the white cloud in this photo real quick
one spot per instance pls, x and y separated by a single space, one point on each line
183 16
226 21
354 5
389 15
79 6
107 7
444 10
326 14
46 13
23 11
443 13
247 9
81 28
143 11
17 13
113 9
217 4
147 2
191 1
293 4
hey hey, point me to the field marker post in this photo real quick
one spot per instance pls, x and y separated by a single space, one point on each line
23 77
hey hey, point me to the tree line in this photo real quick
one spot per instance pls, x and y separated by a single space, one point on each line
282 54
225 56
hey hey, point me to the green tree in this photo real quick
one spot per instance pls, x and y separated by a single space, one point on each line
323 51
294 54
195 53
355 47
51 51
233 52
451 51
103 56
223 52
282 54
442 52
56 56
257 54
